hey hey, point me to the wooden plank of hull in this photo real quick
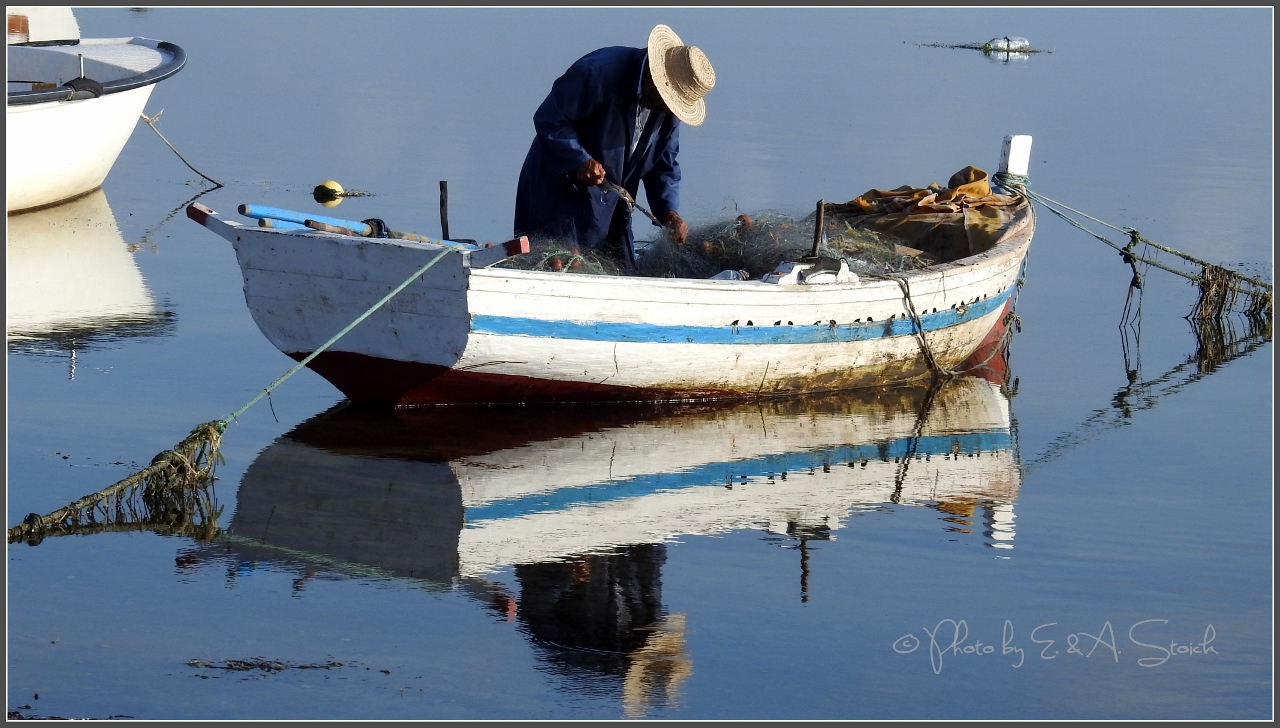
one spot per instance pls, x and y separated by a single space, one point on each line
463 334
63 149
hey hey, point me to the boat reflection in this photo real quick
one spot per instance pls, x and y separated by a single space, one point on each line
72 282
558 519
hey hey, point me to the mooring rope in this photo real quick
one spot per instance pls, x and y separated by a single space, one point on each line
1217 283
934 366
189 465
151 123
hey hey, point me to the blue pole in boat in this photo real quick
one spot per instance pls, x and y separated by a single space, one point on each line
276 213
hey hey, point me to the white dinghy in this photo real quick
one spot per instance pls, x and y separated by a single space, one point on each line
72 103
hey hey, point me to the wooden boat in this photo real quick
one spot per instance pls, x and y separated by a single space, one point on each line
72 103
464 331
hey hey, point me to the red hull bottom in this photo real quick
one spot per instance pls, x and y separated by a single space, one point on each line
990 360
370 380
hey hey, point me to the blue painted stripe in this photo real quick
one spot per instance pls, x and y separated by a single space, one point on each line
971 443
742 334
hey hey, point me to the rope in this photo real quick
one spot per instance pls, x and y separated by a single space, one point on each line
1215 348
151 123
1212 278
936 368
189 462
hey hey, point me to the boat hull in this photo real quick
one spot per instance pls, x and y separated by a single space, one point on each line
59 150
461 333
370 379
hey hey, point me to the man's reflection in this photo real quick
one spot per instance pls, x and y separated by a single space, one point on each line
599 620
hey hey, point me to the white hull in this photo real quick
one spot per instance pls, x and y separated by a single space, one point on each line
467 333
62 149
72 104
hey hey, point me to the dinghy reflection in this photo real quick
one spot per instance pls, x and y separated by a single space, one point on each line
72 282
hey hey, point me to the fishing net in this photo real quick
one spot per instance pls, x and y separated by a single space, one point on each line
555 254
746 247
756 245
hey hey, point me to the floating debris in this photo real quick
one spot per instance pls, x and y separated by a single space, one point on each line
263 664
1005 48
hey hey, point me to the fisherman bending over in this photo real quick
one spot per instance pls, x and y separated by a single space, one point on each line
613 118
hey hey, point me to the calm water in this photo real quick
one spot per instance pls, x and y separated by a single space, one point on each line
807 559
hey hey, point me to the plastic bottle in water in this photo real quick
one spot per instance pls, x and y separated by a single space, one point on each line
1007 44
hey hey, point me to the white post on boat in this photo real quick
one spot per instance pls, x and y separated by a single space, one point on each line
1015 156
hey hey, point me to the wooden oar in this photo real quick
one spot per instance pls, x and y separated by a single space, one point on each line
266 222
325 227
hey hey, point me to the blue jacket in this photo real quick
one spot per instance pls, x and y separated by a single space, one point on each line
591 113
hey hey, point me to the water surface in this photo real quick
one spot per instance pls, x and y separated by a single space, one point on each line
808 559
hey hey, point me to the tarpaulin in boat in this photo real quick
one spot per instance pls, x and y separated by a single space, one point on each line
961 219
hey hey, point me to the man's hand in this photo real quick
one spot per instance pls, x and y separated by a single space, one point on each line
590 173
676 226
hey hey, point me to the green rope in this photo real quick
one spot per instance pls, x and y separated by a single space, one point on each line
189 465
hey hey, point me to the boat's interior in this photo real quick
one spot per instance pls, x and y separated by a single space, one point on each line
879 232
38 67
944 223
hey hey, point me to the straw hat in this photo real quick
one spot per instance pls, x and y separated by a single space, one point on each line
682 74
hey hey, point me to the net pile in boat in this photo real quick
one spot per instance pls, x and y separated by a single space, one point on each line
751 246
555 254
756 245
